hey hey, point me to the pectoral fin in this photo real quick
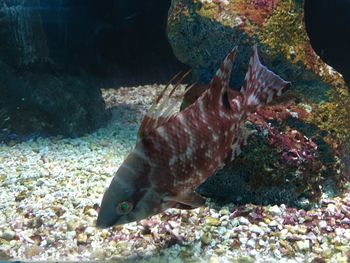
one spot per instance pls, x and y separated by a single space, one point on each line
188 199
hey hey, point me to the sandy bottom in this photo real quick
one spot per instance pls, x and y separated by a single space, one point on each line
50 188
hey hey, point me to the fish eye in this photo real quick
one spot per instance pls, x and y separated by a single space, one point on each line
124 207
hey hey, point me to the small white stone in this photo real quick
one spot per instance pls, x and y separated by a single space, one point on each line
331 208
262 243
89 230
8 234
243 221
243 240
70 235
273 223
322 224
283 234
251 243
303 245
275 210
255 229
347 234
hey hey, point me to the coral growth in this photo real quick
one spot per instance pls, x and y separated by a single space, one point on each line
290 154
294 147
333 117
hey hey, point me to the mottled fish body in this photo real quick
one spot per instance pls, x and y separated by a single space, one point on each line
177 152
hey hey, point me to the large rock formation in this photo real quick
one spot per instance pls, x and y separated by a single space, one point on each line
50 47
294 155
35 96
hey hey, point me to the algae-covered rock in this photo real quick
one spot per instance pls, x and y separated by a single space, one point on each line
202 33
36 96
294 157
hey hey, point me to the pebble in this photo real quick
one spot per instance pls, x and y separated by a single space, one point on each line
302 230
255 229
273 223
251 243
206 238
346 234
211 221
68 176
90 230
303 245
322 224
32 251
243 221
82 238
224 212
283 233
275 210
331 208
70 235
8 234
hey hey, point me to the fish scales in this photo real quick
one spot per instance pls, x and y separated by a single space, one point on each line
176 152
195 125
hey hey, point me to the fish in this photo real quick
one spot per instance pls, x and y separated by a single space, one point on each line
177 151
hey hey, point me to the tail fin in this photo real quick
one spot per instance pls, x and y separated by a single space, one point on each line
261 85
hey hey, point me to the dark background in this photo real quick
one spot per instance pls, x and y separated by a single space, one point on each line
328 26
122 39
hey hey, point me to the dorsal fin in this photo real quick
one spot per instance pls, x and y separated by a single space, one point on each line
192 93
220 82
162 108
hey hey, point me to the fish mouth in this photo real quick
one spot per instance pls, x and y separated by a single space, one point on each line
107 221
103 224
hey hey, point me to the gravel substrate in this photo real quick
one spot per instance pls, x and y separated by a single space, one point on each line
50 188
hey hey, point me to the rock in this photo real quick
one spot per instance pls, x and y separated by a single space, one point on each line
275 210
246 259
322 224
8 234
91 212
206 238
41 100
201 34
82 239
98 254
302 229
251 243
278 27
283 234
70 235
244 221
255 229
303 245
347 234
224 212
32 251
90 230
331 208
273 223
211 221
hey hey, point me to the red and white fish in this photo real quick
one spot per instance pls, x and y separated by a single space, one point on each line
177 152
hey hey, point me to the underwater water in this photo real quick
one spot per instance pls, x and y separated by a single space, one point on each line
77 79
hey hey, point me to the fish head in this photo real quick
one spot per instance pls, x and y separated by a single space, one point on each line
130 196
